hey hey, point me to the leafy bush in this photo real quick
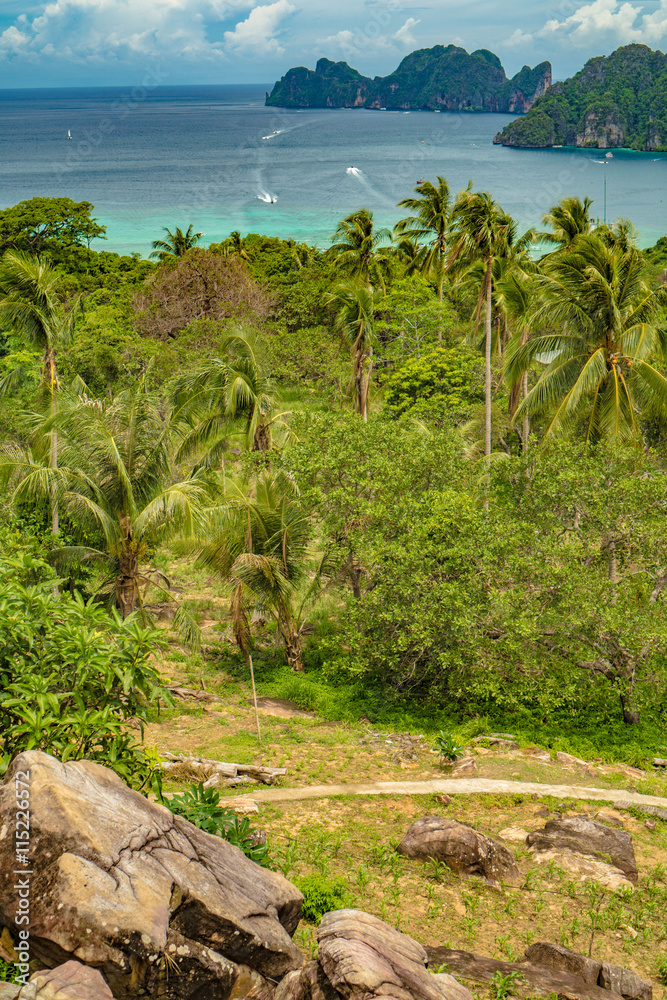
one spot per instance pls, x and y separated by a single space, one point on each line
448 749
7 971
320 896
72 677
443 386
201 807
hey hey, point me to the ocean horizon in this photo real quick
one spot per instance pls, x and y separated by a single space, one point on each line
215 156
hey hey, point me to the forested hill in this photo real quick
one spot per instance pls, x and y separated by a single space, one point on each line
616 100
442 78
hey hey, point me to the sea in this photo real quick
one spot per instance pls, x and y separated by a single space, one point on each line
150 157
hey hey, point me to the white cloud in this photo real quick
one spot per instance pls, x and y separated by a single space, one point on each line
116 31
404 35
256 34
609 22
517 39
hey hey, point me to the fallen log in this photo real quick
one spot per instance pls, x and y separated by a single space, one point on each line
217 773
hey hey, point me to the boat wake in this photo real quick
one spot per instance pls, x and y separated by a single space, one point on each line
267 198
355 172
274 134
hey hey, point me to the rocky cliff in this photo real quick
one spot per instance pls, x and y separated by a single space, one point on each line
444 78
616 100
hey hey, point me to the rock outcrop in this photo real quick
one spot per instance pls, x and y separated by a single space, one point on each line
549 968
462 849
615 100
122 884
363 958
584 836
443 78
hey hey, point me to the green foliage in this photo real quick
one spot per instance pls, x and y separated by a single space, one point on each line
447 747
662 970
48 225
441 77
7 971
201 807
321 895
72 679
443 386
615 100
502 987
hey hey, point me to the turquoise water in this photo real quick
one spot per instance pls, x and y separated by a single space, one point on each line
216 157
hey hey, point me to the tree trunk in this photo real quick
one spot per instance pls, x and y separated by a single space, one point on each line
630 716
487 359
525 424
127 583
366 381
442 321
612 566
262 439
52 375
293 649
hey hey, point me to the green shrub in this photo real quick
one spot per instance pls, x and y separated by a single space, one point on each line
73 677
443 386
320 896
662 970
201 807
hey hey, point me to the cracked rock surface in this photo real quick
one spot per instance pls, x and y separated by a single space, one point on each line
462 849
363 958
122 884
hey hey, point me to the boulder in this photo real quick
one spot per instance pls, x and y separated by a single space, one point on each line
586 869
71 981
463 768
9 991
624 982
121 883
540 979
462 849
582 835
363 957
556 957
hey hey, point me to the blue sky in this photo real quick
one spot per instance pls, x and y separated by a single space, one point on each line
106 42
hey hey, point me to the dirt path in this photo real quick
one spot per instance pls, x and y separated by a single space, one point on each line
458 786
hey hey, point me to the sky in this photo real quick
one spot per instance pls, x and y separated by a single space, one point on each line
64 43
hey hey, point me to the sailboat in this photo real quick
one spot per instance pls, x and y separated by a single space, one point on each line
69 134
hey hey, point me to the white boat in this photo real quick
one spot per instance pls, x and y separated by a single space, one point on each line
609 156
69 134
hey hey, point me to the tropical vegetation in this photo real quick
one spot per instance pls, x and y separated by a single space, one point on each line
425 469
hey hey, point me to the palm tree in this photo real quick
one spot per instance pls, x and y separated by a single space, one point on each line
355 307
219 392
568 219
176 244
260 549
31 308
355 249
429 230
114 480
233 246
482 232
603 329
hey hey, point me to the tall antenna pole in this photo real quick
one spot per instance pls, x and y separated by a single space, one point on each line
605 194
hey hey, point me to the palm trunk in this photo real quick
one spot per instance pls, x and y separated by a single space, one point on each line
525 424
127 581
487 358
366 384
440 295
50 365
